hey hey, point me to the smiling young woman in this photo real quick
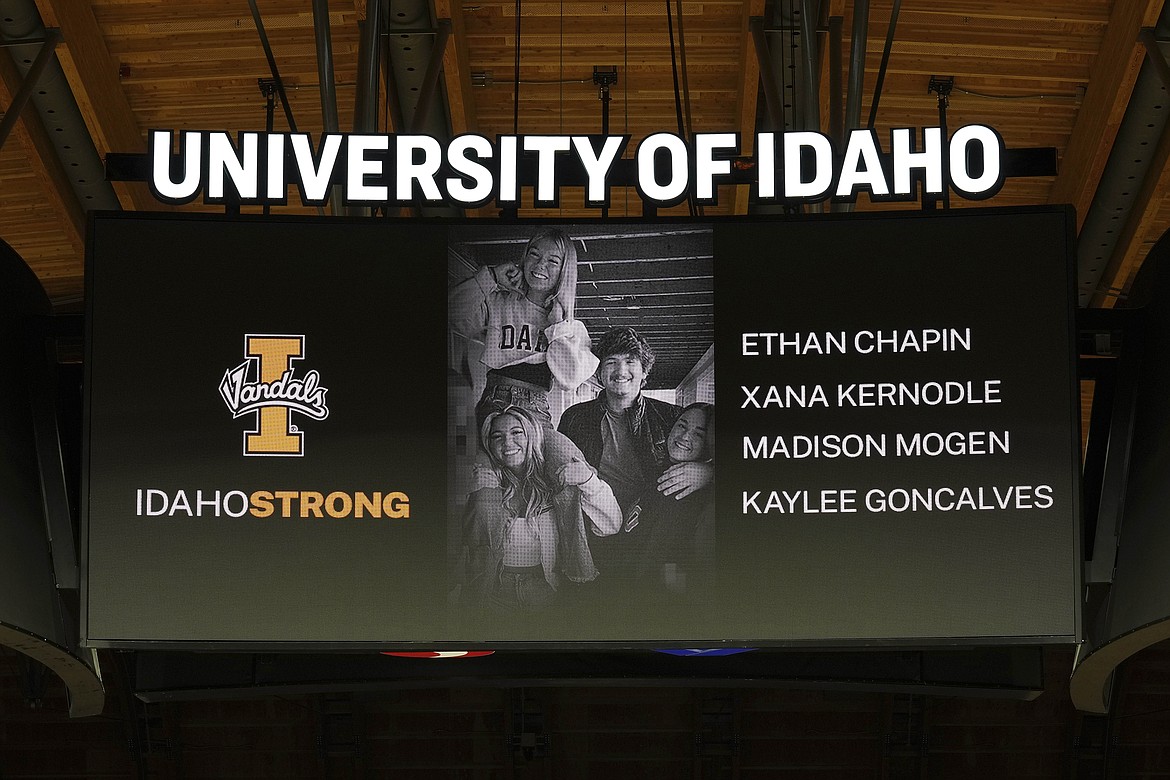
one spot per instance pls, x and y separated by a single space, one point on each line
523 314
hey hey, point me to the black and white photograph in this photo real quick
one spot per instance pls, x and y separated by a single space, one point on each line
581 418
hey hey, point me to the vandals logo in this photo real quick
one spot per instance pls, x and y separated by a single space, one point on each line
273 393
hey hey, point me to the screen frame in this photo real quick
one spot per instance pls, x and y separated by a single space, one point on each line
1074 460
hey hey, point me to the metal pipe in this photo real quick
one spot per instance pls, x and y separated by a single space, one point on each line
24 94
836 98
856 82
516 70
365 106
808 50
325 65
268 90
881 77
604 97
1099 568
684 72
325 81
394 115
943 132
431 78
857 48
768 79
42 378
258 21
365 109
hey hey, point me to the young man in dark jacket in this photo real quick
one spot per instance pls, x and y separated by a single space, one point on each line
622 434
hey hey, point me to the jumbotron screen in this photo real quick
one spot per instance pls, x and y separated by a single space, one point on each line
823 431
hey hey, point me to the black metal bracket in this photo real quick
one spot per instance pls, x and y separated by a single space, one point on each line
942 86
605 76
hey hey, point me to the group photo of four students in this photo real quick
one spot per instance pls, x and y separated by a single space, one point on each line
605 496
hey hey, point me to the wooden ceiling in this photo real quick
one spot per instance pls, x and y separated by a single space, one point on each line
1047 73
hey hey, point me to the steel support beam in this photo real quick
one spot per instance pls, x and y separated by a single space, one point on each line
325 79
836 96
365 106
856 80
857 49
365 110
809 51
764 57
325 65
24 94
1154 55
430 82
42 359
881 77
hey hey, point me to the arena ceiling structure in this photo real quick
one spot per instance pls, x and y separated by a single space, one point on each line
1077 87
83 83
1051 74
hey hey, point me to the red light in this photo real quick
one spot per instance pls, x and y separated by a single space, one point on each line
440 653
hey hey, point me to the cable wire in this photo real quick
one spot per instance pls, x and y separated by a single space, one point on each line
626 86
989 96
561 68
686 87
881 76
674 71
516 78
292 125
677 93
785 56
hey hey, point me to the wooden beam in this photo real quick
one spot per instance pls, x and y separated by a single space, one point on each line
93 76
745 111
1111 82
42 157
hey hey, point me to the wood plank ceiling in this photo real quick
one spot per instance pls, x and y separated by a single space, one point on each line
1049 73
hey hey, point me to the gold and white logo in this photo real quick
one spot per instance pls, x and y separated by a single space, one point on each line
266 384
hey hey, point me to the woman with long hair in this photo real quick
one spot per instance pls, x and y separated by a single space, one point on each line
527 534
675 543
523 314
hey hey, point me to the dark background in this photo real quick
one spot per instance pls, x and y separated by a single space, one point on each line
171 302
958 573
